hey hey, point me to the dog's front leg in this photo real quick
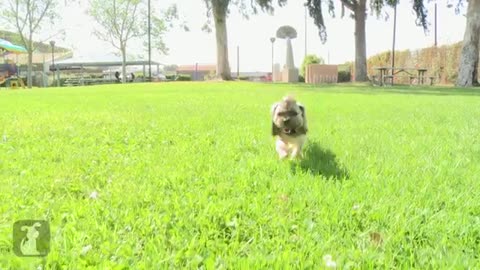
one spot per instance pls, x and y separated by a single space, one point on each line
297 151
282 149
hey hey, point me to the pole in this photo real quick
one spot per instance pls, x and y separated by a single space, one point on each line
272 62
52 43
435 24
238 62
149 44
58 76
272 40
196 72
305 30
53 64
394 29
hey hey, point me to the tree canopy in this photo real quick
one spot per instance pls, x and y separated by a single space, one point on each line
317 10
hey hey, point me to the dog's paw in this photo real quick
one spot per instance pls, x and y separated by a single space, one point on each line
297 157
282 155
297 154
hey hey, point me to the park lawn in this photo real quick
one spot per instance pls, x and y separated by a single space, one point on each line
185 175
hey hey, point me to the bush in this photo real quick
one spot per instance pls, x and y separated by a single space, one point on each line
344 76
301 78
183 77
62 82
210 76
310 59
243 78
170 77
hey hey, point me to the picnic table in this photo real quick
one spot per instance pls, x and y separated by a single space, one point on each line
413 74
87 81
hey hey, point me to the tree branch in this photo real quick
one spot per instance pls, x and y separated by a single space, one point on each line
125 17
114 18
30 26
131 24
51 36
349 4
40 18
20 28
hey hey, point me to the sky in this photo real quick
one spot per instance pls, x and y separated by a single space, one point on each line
252 36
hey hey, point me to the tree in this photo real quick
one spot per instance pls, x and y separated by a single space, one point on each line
468 69
121 21
220 10
27 18
310 59
358 9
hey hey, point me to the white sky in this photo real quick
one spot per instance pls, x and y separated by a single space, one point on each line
252 36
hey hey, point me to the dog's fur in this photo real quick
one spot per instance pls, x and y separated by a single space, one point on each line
289 125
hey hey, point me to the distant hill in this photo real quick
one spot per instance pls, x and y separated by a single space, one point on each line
40 47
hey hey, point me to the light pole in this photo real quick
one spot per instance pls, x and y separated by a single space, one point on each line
238 62
306 7
393 43
149 44
272 40
52 43
435 23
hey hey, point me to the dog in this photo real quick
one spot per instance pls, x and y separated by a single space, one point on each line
289 126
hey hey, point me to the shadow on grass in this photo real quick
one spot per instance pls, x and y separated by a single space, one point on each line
320 161
397 89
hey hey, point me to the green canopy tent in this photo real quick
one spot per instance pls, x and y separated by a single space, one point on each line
7 47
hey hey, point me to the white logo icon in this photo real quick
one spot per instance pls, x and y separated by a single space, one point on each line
28 246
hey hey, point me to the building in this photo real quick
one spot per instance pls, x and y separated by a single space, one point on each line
256 76
197 72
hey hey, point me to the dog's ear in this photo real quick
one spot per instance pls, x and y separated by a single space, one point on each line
275 129
304 116
273 108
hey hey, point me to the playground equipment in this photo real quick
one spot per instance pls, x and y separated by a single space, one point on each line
8 71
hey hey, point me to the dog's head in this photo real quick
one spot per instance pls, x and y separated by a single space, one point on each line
288 117
32 232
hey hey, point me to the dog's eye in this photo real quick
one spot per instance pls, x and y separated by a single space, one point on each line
293 113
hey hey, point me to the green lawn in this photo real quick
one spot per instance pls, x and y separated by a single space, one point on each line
185 175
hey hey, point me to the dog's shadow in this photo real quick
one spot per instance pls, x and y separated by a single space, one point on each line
320 161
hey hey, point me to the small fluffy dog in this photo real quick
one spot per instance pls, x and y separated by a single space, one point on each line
289 125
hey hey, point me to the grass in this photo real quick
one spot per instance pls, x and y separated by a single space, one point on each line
185 175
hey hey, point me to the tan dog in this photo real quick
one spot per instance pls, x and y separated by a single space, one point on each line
289 125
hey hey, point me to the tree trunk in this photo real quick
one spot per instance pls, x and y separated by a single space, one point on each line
467 72
360 42
30 62
124 63
223 67
30 69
